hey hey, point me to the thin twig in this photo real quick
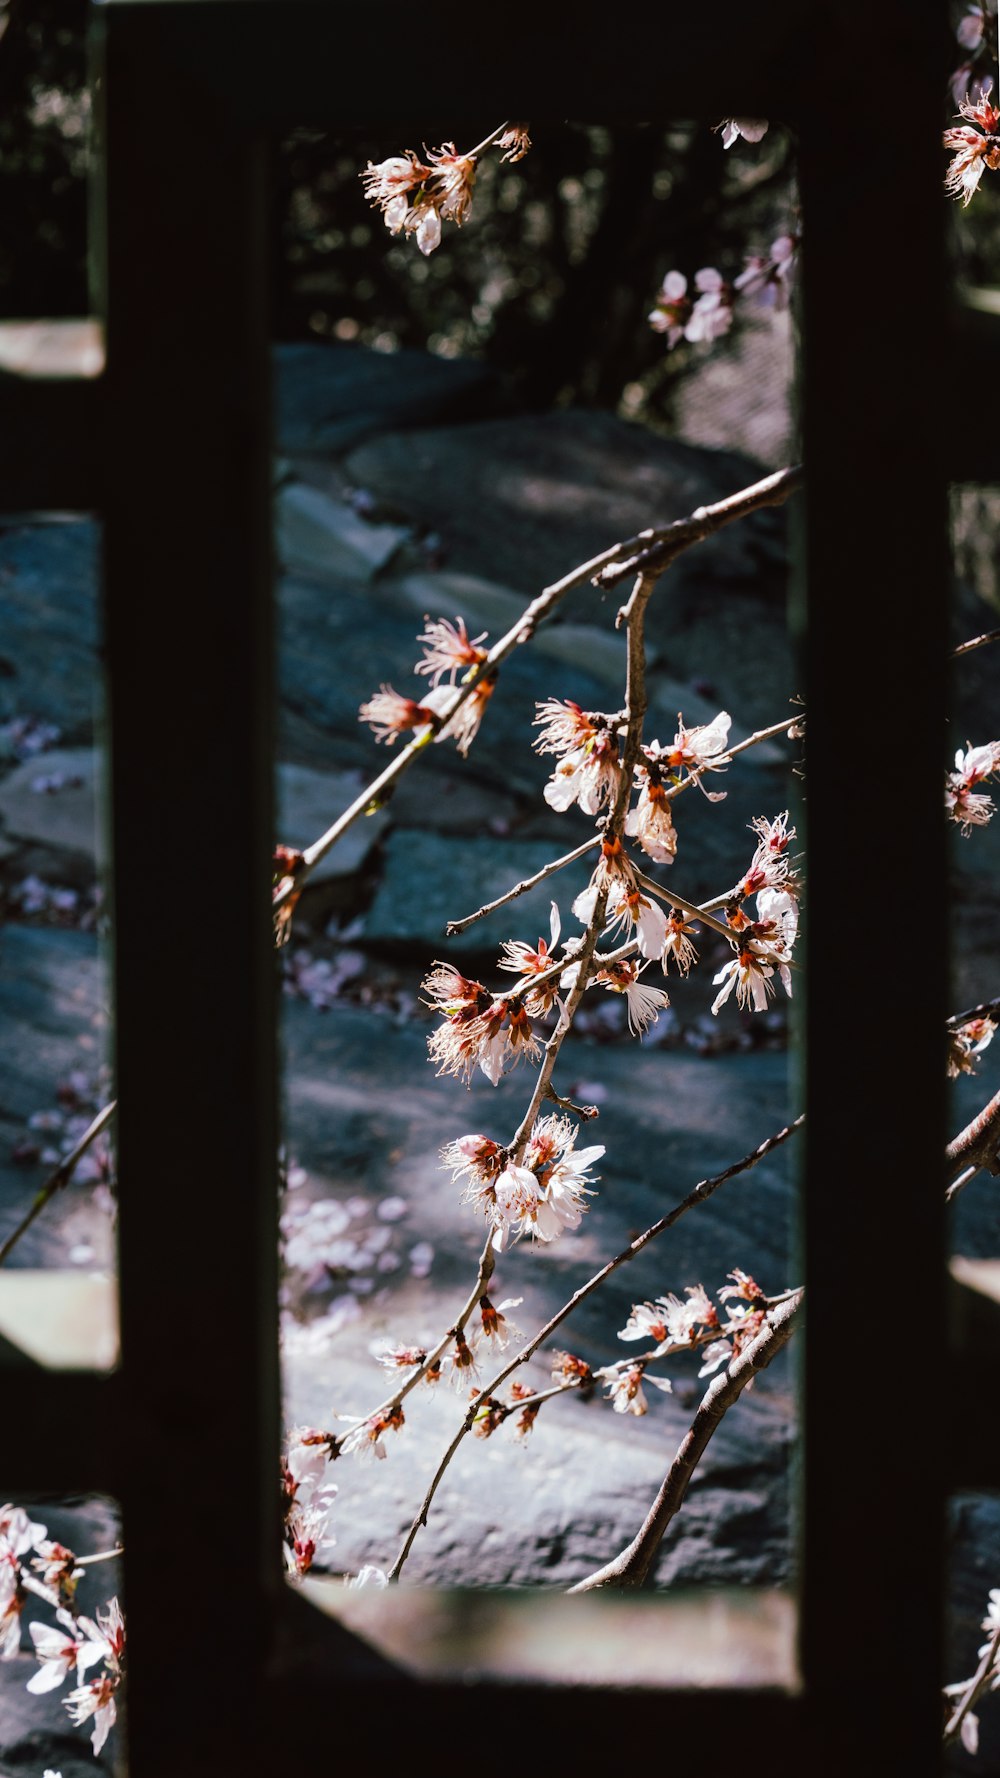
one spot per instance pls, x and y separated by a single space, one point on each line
975 642
976 1686
698 1195
60 1177
631 1566
101 1556
454 927
653 550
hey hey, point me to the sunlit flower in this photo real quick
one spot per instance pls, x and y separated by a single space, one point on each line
448 650
677 946
644 1004
365 1439
625 1391
974 148
370 1576
97 1700
545 1195
392 180
749 975
392 715
589 769
478 1028
451 182
463 726
968 1041
393 1356
962 804
651 821
62 1652
516 141
612 872
527 963
18 1532
670 1321
495 1329
717 1353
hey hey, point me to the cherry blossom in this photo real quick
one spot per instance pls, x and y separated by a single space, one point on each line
62 1651
95 1699
712 314
448 650
962 804
677 945
527 963
391 715
651 821
967 1042
752 129
769 277
589 769
365 1439
975 148
644 1004
545 1194
673 308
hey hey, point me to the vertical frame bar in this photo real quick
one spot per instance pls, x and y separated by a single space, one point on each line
876 668
188 623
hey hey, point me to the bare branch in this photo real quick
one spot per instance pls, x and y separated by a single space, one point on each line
975 642
454 927
652 551
60 1177
975 1688
631 1566
977 1144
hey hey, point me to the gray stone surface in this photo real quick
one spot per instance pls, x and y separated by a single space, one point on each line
55 1023
317 534
309 802
53 800
48 624
427 880
329 396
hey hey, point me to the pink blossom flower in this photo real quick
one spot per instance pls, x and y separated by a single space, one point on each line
527 964
717 1353
62 1651
462 726
968 1041
95 1699
769 277
365 1439
392 715
712 315
545 1194
974 148
390 181
677 946
962 804
451 183
969 30
752 129
693 750
589 769
651 821
448 650
673 308
749 975
644 1004
628 908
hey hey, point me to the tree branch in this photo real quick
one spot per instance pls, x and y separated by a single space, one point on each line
631 1567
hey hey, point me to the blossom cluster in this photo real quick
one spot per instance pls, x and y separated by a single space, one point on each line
415 196
448 652
708 314
963 803
542 1194
77 1643
308 1495
975 145
678 1326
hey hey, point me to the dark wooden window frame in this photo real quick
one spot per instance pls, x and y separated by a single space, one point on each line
171 446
